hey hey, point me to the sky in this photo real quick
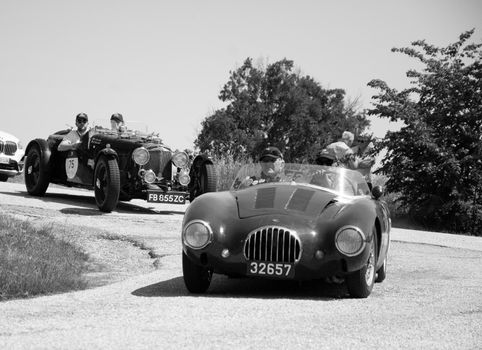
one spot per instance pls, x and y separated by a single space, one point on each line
164 63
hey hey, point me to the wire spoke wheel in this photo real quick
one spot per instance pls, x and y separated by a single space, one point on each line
360 283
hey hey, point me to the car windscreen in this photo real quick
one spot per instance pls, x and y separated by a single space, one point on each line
334 179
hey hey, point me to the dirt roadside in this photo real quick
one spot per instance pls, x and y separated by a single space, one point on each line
121 244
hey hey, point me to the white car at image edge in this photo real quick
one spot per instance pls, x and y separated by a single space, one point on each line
11 156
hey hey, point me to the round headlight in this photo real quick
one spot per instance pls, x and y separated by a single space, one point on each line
197 234
184 177
350 240
141 156
180 159
149 176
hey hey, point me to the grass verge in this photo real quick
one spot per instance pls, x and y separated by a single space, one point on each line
34 262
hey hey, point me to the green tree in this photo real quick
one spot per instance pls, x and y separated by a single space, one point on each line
434 160
279 107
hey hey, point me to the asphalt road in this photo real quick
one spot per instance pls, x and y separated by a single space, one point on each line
431 299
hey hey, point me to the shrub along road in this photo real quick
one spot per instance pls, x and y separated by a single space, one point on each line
431 297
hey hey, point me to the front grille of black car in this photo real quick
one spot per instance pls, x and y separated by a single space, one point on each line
273 244
9 148
159 159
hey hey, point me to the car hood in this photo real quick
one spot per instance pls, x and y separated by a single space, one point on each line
5 136
283 199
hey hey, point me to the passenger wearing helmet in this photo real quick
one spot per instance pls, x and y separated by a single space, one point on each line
338 153
117 122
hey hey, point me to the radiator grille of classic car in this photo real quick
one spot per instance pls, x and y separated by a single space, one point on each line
9 148
159 158
274 244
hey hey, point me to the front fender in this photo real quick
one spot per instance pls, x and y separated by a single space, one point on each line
198 162
109 153
43 146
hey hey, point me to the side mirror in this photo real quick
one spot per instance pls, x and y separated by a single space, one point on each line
377 192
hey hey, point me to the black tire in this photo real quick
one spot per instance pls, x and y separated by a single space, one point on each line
106 184
205 181
382 272
196 278
360 283
37 171
3 178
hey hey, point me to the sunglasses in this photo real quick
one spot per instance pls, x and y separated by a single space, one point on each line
82 121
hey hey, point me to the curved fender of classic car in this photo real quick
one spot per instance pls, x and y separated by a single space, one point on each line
213 207
42 146
199 160
107 152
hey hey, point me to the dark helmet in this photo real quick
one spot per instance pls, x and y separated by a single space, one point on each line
271 153
117 117
81 116
325 158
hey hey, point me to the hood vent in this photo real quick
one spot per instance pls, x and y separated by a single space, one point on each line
300 199
265 198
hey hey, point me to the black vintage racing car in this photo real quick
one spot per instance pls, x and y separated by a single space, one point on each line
119 166
316 222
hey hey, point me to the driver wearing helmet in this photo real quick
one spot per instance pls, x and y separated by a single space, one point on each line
272 165
73 139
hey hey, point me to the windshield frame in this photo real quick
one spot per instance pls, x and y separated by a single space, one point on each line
338 180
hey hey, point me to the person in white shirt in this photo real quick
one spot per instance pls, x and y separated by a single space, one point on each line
364 160
72 140
338 152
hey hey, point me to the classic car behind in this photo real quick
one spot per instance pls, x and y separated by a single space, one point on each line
119 166
317 222
11 156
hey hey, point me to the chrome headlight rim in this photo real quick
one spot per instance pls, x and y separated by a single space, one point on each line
149 176
361 236
204 224
180 159
183 177
141 156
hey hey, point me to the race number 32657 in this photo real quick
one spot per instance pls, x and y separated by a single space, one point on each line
281 270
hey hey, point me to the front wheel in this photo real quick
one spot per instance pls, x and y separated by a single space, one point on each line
196 278
205 180
106 184
3 178
37 171
382 272
360 283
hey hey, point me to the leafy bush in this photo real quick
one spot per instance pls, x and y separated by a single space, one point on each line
33 261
